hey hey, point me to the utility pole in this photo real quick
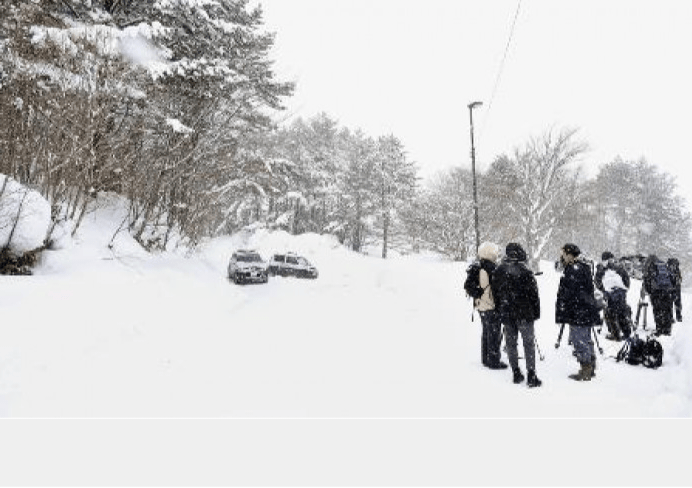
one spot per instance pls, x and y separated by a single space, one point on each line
471 106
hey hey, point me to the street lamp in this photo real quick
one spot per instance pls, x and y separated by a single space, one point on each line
473 105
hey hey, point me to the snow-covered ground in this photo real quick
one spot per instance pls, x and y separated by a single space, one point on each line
121 333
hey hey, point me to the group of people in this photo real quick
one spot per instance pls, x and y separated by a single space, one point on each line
661 281
510 298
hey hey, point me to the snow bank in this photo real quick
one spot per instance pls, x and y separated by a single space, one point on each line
24 216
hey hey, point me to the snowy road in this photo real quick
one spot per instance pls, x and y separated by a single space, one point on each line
169 337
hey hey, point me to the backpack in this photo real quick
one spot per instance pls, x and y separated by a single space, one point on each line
652 354
472 285
637 351
663 278
632 352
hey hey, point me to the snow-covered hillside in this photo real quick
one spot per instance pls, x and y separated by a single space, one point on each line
122 333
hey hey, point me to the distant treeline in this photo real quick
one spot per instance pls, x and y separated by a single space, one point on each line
173 106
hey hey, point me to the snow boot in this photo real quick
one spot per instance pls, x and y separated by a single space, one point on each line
532 379
497 365
584 374
518 376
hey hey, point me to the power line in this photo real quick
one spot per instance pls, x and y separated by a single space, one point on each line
502 65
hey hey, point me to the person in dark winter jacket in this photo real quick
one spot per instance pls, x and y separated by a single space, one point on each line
517 301
613 281
674 266
491 336
660 289
576 306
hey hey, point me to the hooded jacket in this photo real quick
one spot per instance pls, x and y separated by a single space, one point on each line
488 254
514 288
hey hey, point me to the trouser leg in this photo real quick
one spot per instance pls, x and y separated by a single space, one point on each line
484 339
511 335
529 340
494 337
662 304
677 302
622 312
583 344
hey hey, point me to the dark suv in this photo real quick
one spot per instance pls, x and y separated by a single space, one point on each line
290 264
247 266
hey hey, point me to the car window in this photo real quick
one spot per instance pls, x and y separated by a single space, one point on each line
291 260
303 261
249 258
279 258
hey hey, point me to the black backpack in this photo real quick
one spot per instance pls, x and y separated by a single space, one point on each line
637 351
663 278
653 353
472 285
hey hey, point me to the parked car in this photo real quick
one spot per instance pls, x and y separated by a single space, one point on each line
247 266
291 264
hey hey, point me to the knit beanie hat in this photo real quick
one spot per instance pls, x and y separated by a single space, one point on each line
572 249
515 252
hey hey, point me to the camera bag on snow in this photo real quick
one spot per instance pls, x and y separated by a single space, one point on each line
472 285
636 351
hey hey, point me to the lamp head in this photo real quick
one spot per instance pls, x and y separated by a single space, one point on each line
473 105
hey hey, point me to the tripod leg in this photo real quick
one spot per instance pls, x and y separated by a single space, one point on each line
597 344
559 336
538 348
646 310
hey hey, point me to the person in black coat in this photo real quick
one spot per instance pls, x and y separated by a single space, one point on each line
674 266
518 304
576 306
662 297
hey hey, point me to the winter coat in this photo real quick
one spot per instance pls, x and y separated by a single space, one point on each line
576 304
488 254
516 291
650 275
674 266
486 301
601 271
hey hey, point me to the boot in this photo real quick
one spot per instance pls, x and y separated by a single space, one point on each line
533 380
497 365
518 376
584 373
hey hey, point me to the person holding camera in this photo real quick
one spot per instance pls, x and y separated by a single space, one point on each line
576 306
613 281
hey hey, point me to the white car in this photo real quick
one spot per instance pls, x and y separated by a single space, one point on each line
290 264
247 266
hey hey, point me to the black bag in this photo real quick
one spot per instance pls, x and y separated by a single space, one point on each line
663 278
632 352
652 354
637 351
472 285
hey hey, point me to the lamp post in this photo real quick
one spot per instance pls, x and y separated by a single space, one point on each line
473 105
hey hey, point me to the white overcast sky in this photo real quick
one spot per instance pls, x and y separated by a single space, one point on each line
619 71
